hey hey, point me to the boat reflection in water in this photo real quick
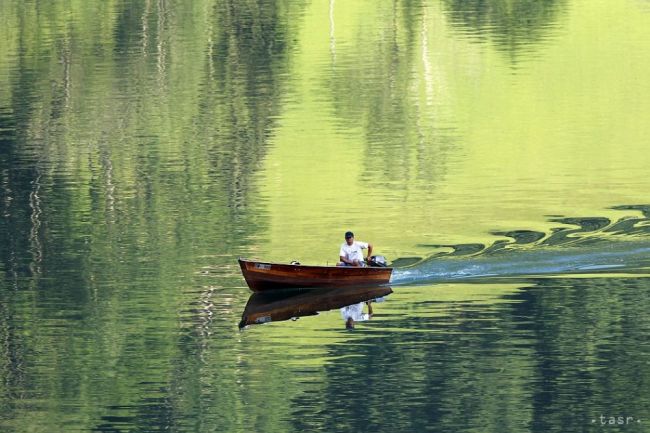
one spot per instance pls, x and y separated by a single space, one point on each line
280 305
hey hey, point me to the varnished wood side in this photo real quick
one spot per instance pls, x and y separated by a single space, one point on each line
261 276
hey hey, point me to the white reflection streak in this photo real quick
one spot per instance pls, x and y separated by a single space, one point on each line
145 27
161 48
210 31
34 239
6 213
110 186
332 37
426 63
66 60
205 316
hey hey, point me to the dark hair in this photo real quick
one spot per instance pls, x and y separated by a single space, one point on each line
349 235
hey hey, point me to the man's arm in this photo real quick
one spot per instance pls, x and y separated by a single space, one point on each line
369 251
348 261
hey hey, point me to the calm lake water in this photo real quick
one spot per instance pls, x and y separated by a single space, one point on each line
499 150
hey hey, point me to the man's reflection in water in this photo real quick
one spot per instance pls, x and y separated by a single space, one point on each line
354 313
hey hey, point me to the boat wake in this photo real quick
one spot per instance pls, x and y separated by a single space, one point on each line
592 245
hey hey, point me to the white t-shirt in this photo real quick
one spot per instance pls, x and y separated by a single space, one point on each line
353 252
355 311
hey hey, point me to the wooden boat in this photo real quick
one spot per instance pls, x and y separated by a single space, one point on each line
279 305
262 276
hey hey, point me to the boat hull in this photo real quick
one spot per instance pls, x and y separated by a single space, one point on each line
263 276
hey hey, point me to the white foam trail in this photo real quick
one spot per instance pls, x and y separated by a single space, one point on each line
621 256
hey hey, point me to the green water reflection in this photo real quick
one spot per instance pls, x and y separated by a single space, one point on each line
513 26
145 145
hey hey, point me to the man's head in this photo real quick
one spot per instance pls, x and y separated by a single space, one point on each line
349 238
349 324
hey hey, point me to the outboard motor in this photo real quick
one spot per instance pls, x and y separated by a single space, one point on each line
378 262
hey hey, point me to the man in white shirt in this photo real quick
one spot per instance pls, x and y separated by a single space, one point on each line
354 313
351 253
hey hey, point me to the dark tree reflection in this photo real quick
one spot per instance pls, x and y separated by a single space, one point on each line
513 26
